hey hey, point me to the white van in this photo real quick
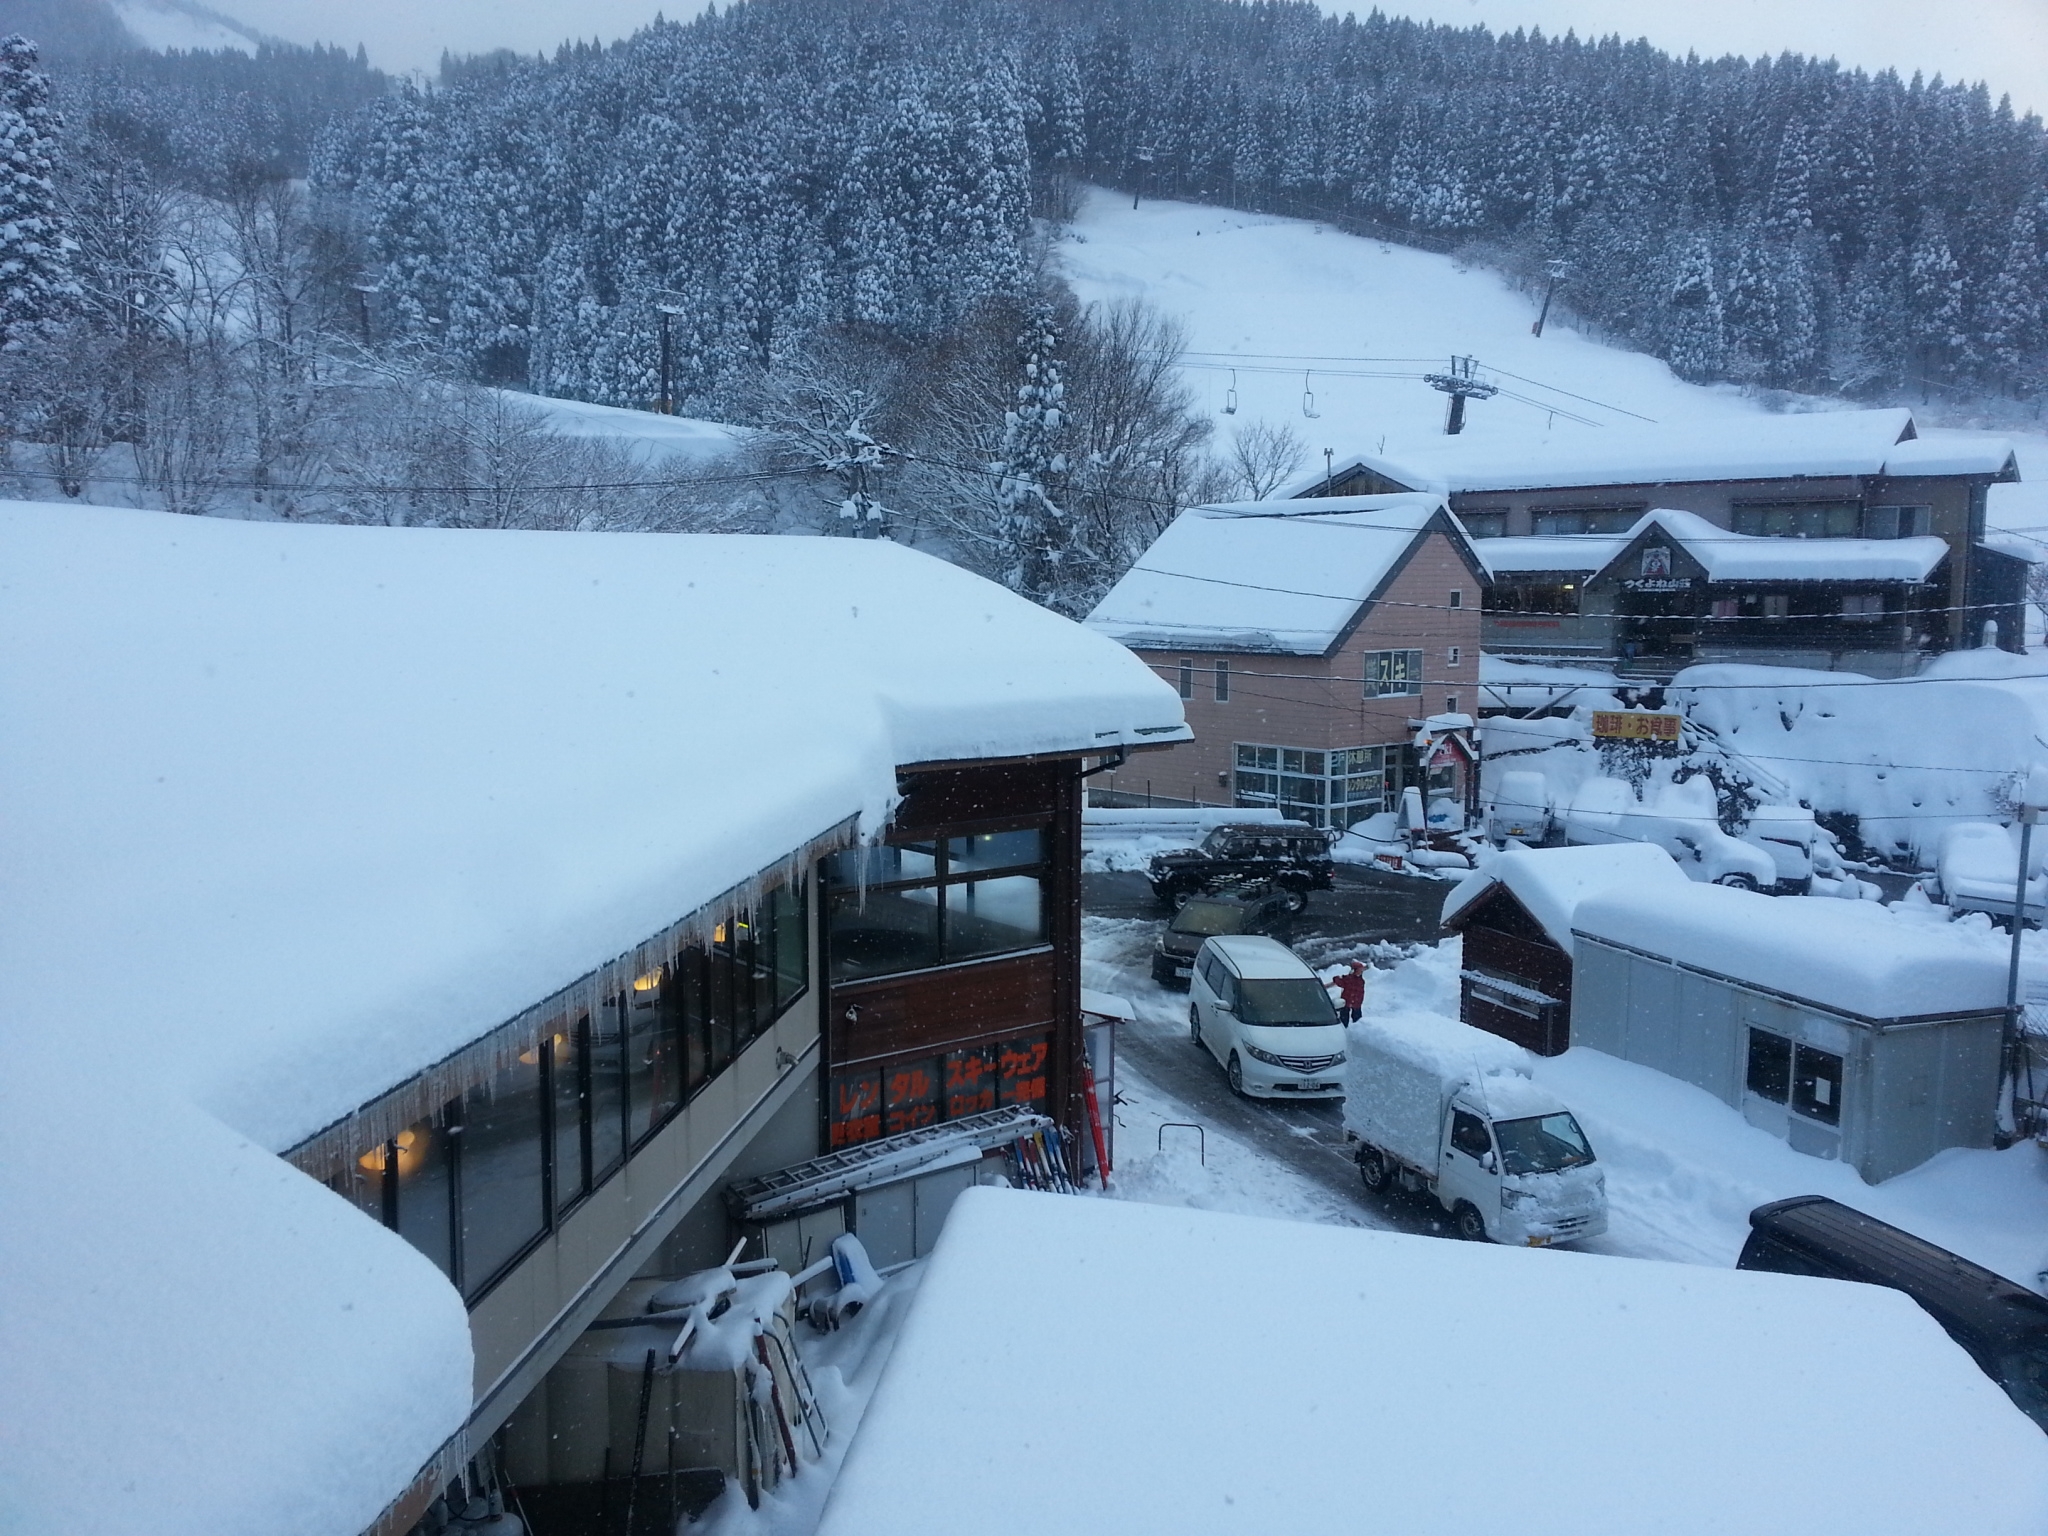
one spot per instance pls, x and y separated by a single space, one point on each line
1267 1018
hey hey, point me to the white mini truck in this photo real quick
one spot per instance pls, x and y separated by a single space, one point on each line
1267 1018
1451 1110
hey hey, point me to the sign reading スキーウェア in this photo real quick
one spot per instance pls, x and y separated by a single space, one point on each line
1634 725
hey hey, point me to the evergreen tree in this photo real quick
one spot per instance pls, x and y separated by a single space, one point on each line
37 287
1031 522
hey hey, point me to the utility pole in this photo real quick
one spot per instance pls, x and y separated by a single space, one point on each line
1462 383
1559 269
668 310
1329 474
2033 801
363 289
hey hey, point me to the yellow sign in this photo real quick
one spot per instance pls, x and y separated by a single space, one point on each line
1634 725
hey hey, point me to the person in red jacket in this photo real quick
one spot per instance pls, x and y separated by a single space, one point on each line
1350 985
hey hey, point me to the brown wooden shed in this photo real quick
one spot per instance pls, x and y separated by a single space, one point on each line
1515 914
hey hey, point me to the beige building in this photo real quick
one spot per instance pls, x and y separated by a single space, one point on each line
1309 642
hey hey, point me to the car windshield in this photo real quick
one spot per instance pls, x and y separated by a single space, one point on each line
1209 917
1284 1000
1541 1144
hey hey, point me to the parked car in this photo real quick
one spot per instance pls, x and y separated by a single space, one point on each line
1519 807
1257 909
1505 1157
1290 855
2000 1325
1607 811
1267 1018
1978 866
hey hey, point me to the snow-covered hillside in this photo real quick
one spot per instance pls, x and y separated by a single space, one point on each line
1281 309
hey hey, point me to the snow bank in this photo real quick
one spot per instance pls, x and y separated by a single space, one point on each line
293 812
1250 577
1242 1374
1551 882
1856 956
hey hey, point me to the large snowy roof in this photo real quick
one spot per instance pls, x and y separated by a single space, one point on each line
1826 443
1255 576
1752 557
1551 882
1152 1369
1548 552
1852 956
293 812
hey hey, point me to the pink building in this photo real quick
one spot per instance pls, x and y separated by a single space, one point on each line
1310 641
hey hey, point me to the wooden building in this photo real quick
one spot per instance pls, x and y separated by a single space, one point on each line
1310 643
1515 916
1841 477
524 890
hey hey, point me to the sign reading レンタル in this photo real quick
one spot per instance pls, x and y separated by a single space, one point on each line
1634 725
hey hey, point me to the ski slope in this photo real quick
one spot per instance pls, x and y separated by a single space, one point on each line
1282 309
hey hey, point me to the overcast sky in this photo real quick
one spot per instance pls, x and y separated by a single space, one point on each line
2004 42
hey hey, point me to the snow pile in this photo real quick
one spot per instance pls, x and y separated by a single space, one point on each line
1858 957
1907 756
1551 882
1252 577
1636 1391
300 810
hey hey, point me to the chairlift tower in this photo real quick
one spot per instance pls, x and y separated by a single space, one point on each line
668 308
1462 383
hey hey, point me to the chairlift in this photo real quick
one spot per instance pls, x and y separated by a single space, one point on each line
1308 399
1230 395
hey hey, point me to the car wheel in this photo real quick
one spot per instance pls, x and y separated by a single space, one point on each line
1737 882
1470 1225
1297 900
1179 897
1234 1071
1372 1168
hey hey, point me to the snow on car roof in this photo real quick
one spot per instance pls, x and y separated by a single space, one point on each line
1819 444
295 811
1253 576
1257 958
1551 882
1855 957
1246 1374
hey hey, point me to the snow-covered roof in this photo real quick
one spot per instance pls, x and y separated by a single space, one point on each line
1253 576
294 812
1821 444
1242 1374
1547 552
1730 556
1551 882
1854 957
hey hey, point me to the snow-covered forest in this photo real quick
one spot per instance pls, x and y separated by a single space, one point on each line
286 279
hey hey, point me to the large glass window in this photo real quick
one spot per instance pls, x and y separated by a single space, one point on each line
966 898
1801 519
422 1154
568 1093
605 1057
1587 519
1392 674
504 1157
1331 789
654 1071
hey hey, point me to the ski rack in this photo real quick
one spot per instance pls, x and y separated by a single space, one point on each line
838 1174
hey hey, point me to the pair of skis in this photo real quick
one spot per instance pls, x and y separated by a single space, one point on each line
1041 1161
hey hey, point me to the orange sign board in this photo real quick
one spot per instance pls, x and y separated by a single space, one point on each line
1634 725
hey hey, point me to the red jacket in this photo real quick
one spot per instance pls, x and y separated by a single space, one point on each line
1350 987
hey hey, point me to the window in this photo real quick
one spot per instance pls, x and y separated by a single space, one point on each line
1321 788
913 906
568 1093
1587 519
1800 519
1533 596
1457 598
1391 674
1724 607
503 1167
1454 656
1806 1079
1770 1066
1468 1134
604 1057
1187 679
1450 703
1817 1084
422 1156
1776 605
1484 525
1862 607
1222 682
1897 522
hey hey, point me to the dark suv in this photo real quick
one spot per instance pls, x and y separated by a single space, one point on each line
1290 856
2000 1325
1255 910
